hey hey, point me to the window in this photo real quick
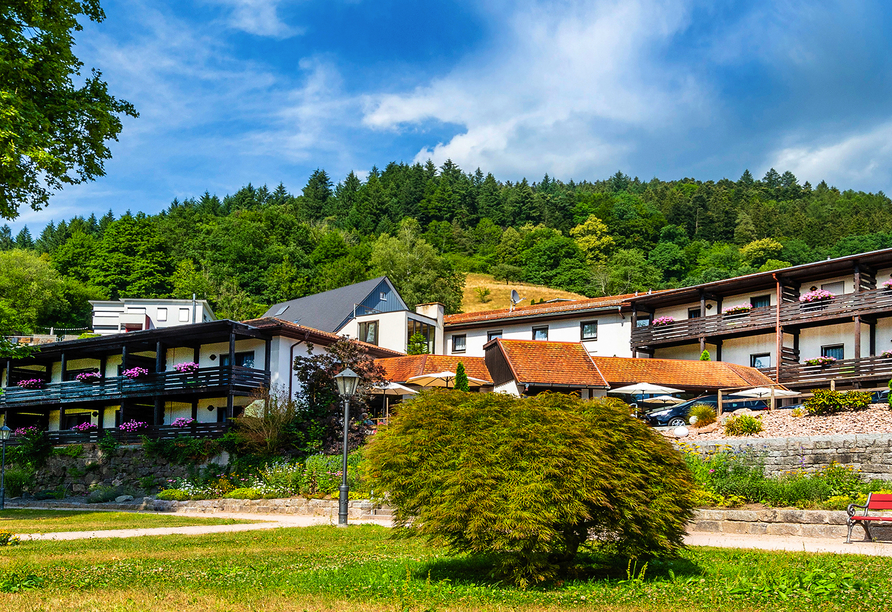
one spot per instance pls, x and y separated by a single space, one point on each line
492 335
588 330
760 360
540 333
425 329
281 310
837 351
244 360
835 288
382 296
368 332
761 301
459 343
184 315
162 314
694 313
643 321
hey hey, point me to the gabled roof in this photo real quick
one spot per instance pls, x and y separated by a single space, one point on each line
546 363
329 310
568 307
690 375
287 328
401 369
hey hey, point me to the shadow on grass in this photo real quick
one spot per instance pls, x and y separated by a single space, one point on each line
480 570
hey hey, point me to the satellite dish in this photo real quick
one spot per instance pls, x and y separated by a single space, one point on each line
515 298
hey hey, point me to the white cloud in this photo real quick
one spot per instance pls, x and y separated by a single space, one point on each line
560 92
856 161
260 17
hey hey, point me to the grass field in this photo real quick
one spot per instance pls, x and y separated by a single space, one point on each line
500 293
360 568
47 521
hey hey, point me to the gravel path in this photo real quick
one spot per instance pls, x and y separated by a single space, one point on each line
781 423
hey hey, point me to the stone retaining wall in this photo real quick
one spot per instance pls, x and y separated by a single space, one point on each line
870 453
356 509
773 521
128 466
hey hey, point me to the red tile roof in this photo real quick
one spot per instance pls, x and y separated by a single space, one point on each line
690 375
315 335
401 369
540 362
539 309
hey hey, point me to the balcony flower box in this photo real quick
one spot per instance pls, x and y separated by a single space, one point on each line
134 373
887 284
740 309
662 321
821 361
84 427
186 368
183 422
88 377
133 426
31 383
818 295
886 354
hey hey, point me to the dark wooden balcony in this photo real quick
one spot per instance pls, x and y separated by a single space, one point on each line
205 381
877 302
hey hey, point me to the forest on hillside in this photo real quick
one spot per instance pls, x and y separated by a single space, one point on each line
425 227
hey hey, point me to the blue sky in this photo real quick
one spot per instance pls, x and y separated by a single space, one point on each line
266 91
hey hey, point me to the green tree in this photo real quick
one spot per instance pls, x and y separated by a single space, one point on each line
593 239
417 345
131 260
704 356
419 274
53 132
461 378
758 252
547 474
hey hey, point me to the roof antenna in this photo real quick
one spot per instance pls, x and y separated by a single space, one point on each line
515 298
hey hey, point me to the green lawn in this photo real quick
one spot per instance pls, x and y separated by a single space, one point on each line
326 568
46 521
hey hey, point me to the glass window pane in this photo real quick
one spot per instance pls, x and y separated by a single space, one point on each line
761 301
458 344
760 361
540 333
836 351
590 330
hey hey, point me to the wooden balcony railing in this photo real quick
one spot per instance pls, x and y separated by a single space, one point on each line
222 378
164 432
875 367
757 320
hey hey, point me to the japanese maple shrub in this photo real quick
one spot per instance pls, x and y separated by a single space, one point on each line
531 481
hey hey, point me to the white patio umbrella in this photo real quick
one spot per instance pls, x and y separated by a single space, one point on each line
760 392
388 389
644 389
443 379
663 399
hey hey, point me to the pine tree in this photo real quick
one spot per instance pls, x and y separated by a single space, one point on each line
461 378
417 345
704 356
23 239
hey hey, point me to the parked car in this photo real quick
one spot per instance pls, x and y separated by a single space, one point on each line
677 415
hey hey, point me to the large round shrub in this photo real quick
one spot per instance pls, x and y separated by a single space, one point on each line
531 480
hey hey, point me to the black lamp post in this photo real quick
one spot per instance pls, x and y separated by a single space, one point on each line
5 432
347 382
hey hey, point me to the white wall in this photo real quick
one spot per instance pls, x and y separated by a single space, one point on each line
393 329
614 334
107 314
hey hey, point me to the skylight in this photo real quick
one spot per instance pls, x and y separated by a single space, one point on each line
281 310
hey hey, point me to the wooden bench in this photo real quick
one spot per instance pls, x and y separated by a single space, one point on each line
875 501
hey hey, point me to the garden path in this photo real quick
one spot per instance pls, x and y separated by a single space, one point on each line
263 521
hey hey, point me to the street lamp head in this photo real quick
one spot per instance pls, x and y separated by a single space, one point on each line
5 432
347 381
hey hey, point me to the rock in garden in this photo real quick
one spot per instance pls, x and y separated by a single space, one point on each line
123 498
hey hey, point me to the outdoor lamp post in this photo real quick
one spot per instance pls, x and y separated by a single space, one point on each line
5 432
347 381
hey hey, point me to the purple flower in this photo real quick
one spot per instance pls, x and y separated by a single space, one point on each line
185 368
136 372
31 383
